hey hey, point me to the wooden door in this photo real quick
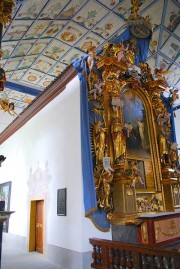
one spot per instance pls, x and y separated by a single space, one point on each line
39 226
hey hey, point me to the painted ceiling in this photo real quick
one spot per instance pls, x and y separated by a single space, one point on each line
46 35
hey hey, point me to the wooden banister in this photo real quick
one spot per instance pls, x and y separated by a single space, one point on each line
109 254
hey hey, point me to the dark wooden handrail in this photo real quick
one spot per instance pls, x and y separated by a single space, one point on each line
109 254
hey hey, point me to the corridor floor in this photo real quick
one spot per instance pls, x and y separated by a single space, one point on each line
15 258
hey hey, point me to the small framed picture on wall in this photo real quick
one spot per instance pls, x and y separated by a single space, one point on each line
61 202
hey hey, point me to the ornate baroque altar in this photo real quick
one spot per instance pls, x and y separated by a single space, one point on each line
133 152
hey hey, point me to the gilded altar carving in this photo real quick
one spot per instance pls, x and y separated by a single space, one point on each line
6 7
123 146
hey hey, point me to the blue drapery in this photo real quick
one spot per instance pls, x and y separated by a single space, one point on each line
98 216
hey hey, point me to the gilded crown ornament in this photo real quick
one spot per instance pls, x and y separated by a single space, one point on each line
140 27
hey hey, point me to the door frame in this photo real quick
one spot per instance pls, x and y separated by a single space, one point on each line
32 225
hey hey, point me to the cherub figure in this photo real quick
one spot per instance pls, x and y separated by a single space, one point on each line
164 117
174 96
123 50
98 88
90 59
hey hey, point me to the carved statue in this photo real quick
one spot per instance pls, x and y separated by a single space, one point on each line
130 56
135 9
106 180
174 158
174 96
122 51
100 141
118 139
164 148
90 59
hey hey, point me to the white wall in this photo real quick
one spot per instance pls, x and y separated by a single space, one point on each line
177 127
43 156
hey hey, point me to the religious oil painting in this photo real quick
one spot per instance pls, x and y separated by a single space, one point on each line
135 125
5 195
136 171
149 202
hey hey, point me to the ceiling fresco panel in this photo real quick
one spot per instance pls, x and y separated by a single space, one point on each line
164 38
110 4
17 75
54 28
12 63
173 75
39 46
46 81
171 48
154 13
17 29
30 9
52 9
36 29
71 55
56 49
71 9
28 98
23 47
71 33
57 69
16 95
108 26
8 48
163 63
88 40
90 14
177 29
123 10
43 64
26 62
172 17
32 76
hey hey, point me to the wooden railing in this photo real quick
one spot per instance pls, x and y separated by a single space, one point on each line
109 254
